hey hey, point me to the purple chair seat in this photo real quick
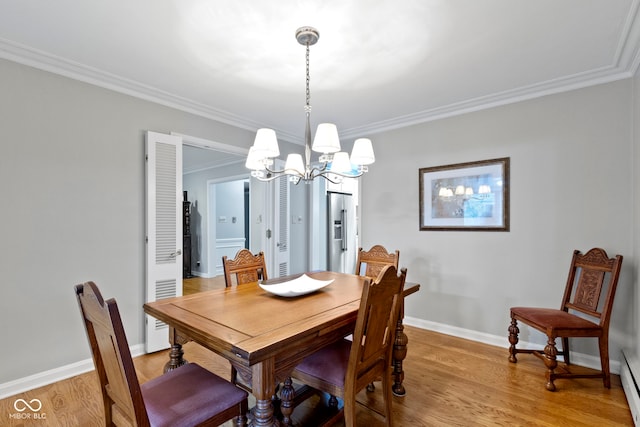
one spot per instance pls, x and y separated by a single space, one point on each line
329 363
164 396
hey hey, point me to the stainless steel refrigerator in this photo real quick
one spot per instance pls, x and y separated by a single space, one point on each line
342 233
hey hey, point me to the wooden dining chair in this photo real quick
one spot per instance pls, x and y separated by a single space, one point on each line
187 396
244 268
374 260
344 368
590 289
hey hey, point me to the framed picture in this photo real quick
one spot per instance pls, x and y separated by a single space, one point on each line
471 196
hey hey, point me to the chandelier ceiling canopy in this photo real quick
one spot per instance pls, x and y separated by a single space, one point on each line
333 164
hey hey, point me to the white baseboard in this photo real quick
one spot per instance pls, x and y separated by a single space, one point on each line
57 374
630 380
53 375
503 341
203 274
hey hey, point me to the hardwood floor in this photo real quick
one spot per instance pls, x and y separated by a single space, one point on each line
199 284
450 382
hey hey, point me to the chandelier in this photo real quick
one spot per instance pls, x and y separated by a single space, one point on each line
333 164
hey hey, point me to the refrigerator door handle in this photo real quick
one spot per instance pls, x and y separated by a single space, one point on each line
344 229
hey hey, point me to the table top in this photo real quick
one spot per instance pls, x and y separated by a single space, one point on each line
248 324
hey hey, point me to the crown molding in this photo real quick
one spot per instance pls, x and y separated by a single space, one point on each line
624 64
550 87
57 65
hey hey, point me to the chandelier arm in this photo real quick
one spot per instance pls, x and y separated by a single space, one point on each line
273 171
272 175
344 175
329 179
267 179
283 172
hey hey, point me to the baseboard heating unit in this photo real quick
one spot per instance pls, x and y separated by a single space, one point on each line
629 375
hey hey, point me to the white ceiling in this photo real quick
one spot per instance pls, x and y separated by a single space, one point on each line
379 64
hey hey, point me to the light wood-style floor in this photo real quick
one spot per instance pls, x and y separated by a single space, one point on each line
450 382
199 284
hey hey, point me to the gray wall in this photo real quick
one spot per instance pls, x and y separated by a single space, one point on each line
299 228
72 173
230 210
634 318
72 168
572 187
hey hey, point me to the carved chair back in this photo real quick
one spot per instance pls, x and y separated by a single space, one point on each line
244 268
591 285
375 259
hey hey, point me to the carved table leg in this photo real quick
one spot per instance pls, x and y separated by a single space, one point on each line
175 355
263 385
399 354
175 358
513 340
287 395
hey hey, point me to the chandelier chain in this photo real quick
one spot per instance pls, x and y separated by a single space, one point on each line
308 93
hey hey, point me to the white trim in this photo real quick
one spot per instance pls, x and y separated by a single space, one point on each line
630 385
51 376
580 359
195 141
39 59
551 87
228 247
624 64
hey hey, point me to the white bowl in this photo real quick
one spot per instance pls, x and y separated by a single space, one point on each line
292 288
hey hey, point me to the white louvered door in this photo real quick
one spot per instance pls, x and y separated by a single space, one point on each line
163 229
281 217
277 214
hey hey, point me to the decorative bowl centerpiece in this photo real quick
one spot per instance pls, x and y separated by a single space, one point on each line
292 288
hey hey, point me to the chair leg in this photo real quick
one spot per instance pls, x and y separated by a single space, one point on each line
513 340
349 409
241 421
287 395
565 350
333 402
234 375
603 343
388 398
551 362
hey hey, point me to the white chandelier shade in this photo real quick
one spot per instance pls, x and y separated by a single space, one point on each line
326 140
333 164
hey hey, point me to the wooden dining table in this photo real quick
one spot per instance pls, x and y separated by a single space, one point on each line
264 335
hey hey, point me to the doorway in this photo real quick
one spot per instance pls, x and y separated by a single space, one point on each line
228 220
208 163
